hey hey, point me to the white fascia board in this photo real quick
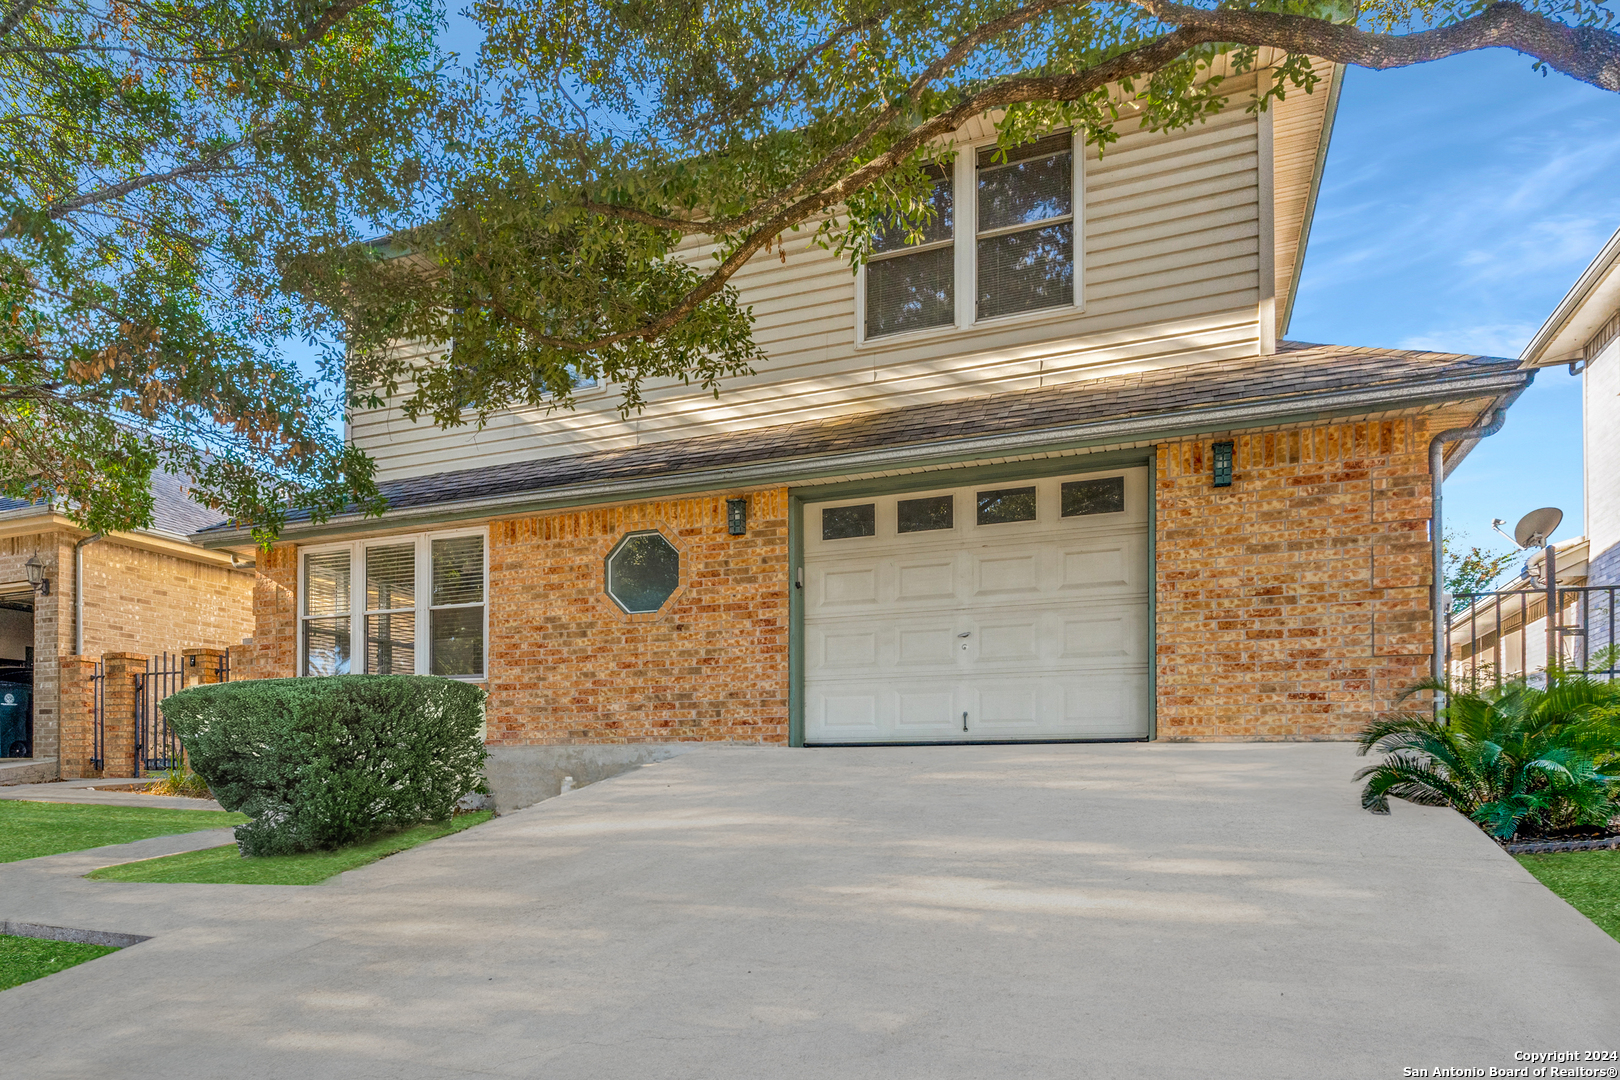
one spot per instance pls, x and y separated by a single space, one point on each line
1594 300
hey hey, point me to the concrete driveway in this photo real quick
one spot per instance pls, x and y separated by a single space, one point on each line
975 912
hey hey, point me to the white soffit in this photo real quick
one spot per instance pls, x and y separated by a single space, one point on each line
1593 301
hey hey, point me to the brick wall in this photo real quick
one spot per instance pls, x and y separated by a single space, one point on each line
567 665
274 652
53 623
148 602
1294 604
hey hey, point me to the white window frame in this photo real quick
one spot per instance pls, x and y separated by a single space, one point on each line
424 596
965 202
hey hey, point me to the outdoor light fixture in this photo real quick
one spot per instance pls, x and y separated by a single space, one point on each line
36 575
1221 455
737 516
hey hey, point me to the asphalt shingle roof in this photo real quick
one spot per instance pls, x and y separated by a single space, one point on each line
1295 371
173 511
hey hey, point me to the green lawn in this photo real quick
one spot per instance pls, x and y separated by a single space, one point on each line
30 829
1589 880
24 959
223 866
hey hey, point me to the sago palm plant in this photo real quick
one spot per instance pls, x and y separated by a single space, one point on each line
1517 758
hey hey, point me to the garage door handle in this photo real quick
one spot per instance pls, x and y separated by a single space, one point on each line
964 721
968 634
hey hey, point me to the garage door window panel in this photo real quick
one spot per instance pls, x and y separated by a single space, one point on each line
925 515
1006 505
848 522
1081 498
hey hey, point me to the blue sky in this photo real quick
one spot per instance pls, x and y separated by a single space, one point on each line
1460 201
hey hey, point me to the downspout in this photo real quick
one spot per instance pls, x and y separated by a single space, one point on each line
1437 537
78 592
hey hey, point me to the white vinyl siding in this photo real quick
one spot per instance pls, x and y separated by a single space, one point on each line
395 605
1168 274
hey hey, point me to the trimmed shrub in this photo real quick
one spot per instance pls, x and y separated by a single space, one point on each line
320 763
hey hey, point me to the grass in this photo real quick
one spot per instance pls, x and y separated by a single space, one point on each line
25 959
29 829
1588 880
223 866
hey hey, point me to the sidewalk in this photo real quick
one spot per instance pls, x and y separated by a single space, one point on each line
95 791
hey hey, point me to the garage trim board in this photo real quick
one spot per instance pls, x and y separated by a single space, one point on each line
1011 609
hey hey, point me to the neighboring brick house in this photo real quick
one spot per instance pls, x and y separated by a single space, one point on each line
143 592
1081 495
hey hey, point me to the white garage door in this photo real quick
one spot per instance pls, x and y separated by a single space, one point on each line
1010 610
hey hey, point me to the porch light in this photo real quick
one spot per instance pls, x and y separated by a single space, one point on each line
737 517
36 575
1221 455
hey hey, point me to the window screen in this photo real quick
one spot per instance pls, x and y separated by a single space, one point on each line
911 280
1026 227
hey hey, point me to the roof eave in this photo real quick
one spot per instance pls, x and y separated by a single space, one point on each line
1602 277
1323 140
1497 386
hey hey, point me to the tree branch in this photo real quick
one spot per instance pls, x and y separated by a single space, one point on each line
329 18
1588 53
16 15
207 163
1138 61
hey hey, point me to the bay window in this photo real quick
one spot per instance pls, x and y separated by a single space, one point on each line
390 590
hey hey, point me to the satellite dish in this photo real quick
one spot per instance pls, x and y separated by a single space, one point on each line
1534 528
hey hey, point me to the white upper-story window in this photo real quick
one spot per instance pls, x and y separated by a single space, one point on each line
417 603
1023 252
912 286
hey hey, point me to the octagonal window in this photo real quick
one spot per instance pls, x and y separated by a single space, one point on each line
643 569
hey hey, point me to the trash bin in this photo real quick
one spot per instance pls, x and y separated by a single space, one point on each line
16 720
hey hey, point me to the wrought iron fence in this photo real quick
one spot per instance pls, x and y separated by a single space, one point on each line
98 725
156 745
1503 634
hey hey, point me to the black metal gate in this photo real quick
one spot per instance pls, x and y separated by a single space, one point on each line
1492 636
98 723
156 747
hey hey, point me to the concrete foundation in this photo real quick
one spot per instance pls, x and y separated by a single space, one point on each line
521 776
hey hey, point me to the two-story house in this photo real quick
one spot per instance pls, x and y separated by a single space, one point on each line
1583 333
1051 473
